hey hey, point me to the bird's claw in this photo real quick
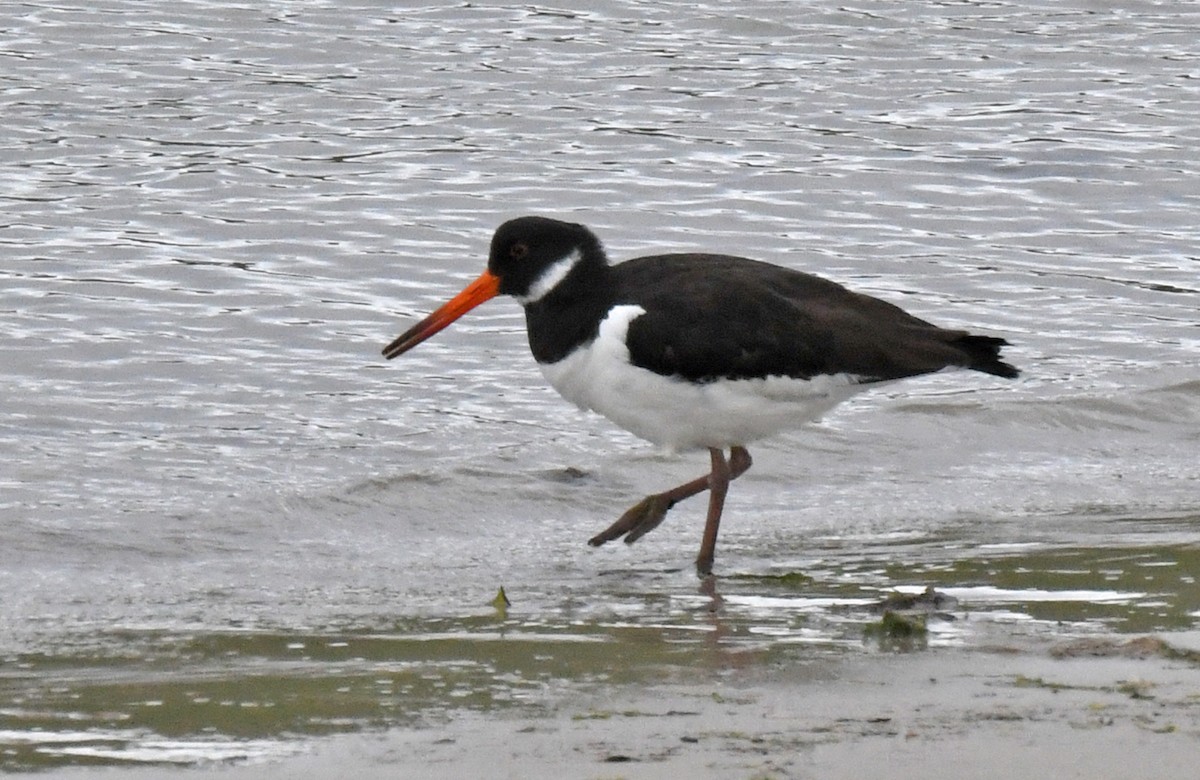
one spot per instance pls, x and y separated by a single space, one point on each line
642 518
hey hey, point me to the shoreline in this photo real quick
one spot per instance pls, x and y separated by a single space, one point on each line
1097 708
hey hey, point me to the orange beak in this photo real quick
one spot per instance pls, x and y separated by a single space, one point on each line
487 286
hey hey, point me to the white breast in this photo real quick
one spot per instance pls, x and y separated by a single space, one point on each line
678 414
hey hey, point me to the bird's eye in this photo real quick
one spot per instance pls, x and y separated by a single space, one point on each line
518 251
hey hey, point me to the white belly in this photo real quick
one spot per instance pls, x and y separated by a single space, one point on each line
680 415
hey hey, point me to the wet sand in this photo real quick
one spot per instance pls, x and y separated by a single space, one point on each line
1092 708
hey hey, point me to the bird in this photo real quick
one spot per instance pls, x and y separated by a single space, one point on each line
694 351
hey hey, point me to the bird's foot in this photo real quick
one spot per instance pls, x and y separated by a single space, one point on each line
642 518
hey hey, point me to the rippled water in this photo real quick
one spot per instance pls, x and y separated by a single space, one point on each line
214 215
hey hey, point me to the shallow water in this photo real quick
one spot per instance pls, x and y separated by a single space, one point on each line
229 527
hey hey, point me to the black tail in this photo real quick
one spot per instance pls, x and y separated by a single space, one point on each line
984 355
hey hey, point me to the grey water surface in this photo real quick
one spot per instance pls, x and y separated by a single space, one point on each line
228 526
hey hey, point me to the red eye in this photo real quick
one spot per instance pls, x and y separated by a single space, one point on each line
517 251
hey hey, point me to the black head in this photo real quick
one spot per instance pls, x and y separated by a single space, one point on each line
531 255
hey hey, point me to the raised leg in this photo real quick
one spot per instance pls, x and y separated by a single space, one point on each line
646 515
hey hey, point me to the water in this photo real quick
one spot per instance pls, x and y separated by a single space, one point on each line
228 527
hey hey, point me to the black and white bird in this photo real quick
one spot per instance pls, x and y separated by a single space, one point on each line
693 351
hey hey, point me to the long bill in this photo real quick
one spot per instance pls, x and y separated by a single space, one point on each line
486 287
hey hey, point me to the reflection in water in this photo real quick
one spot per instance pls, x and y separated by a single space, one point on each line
155 697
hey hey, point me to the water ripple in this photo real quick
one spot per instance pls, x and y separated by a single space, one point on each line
214 215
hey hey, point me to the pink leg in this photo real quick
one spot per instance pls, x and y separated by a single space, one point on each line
722 474
648 513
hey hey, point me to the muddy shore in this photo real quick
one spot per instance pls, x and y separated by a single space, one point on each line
1090 708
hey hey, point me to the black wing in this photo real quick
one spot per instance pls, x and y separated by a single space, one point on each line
713 316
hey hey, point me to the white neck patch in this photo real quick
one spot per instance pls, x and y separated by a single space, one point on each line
549 279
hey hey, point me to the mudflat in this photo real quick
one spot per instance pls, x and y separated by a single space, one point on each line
1121 707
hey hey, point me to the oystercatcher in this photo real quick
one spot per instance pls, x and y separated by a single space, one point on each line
694 351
